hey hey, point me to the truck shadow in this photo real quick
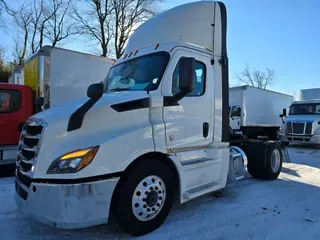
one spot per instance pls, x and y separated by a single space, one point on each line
290 171
7 170
305 155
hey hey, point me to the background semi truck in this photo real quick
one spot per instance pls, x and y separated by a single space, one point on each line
255 112
50 77
157 128
302 125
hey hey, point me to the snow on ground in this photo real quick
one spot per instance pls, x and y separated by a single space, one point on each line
287 208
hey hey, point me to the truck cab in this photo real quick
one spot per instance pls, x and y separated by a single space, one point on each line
302 125
16 106
157 127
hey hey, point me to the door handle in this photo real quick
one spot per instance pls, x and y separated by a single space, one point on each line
205 129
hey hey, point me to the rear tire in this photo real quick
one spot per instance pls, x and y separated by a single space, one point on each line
145 197
274 162
271 167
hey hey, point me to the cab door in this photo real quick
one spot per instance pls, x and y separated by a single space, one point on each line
235 117
189 123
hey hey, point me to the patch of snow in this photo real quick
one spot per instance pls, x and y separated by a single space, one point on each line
287 208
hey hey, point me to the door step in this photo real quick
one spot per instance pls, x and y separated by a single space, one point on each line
199 190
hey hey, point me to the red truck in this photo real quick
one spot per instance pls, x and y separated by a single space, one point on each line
16 106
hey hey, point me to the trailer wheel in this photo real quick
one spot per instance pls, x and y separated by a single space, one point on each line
145 197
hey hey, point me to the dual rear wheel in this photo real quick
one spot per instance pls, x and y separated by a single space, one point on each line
266 166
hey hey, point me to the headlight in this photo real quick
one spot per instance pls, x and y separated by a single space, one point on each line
317 132
281 129
73 162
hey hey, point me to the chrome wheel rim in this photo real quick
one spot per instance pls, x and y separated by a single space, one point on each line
275 160
148 198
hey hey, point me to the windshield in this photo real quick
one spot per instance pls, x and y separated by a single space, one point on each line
140 74
303 109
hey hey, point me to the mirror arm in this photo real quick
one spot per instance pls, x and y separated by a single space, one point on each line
173 100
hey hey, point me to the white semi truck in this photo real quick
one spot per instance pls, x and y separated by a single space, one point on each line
255 112
158 128
302 125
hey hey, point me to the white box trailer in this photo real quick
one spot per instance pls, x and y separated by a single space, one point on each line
60 75
308 94
17 76
255 111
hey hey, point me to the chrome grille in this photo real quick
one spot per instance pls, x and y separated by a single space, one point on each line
308 129
29 145
299 128
288 127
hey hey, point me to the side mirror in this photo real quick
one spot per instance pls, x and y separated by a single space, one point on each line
38 104
39 101
186 75
284 112
95 90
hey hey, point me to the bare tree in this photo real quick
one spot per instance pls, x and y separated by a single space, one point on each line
22 19
96 22
256 78
4 8
2 61
128 15
112 21
60 26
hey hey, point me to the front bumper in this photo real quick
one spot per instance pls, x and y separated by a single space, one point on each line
306 139
67 205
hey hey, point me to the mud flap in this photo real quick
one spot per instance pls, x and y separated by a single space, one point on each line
285 154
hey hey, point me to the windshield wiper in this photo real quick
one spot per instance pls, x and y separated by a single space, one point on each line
118 89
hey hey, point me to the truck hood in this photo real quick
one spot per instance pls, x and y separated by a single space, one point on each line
307 117
63 112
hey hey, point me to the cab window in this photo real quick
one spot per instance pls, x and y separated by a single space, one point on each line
199 76
10 101
235 111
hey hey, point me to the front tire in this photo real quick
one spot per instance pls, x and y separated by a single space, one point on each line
145 197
